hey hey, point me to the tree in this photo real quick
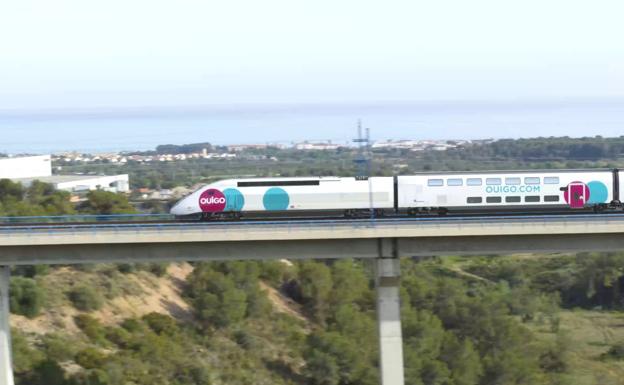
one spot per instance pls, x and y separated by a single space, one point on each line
106 203
336 353
215 297
48 372
350 284
462 360
322 369
26 297
315 282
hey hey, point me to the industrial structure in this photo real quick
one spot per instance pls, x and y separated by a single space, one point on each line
26 167
25 170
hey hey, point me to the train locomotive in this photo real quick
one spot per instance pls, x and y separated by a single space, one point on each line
544 191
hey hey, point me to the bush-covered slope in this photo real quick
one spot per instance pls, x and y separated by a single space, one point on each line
456 330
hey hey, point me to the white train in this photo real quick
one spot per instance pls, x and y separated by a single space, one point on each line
437 193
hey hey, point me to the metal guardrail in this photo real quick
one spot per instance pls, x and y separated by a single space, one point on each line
83 218
367 222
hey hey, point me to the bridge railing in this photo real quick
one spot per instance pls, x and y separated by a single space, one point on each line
84 218
138 222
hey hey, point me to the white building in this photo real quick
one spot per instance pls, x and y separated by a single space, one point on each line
78 183
317 146
26 167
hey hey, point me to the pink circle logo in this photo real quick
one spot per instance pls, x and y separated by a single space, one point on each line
212 200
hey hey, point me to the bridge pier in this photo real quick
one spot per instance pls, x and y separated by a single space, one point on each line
389 313
6 367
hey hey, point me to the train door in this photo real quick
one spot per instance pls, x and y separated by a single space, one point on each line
411 192
577 195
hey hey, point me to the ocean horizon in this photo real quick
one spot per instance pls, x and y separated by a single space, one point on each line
117 129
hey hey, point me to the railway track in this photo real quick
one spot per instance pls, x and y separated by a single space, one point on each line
9 222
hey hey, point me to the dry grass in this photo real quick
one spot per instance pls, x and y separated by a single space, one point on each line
591 334
139 294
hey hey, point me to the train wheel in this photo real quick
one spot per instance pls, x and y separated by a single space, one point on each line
600 208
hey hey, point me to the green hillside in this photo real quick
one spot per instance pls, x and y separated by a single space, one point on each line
306 323
523 319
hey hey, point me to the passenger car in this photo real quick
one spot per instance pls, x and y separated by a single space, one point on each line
438 193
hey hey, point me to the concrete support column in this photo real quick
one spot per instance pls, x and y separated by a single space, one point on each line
389 314
6 368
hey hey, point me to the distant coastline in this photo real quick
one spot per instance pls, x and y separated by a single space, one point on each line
143 129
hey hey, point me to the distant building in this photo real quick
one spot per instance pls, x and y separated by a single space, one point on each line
242 147
317 146
28 169
407 144
78 183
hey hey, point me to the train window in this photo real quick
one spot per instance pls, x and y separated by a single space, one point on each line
474 200
551 180
532 180
435 182
512 181
532 198
493 199
512 199
455 182
551 198
267 183
474 182
493 181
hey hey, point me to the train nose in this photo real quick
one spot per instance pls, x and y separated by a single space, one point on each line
180 208
175 210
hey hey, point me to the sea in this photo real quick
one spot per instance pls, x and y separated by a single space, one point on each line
125 129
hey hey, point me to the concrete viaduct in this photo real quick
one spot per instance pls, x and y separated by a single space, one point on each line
385 240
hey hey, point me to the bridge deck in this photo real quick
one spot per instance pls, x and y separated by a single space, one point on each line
80 243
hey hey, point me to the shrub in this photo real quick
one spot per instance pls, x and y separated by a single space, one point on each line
616 351
92 377
30 271
132 325
25 358
26 297
160 323
90 358
126 268
158 269
48 373
58 347
244 339
119 336
86 298
90 327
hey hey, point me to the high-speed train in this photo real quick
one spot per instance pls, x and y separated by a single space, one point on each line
423 193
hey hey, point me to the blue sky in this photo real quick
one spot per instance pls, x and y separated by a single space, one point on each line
67 54
119 74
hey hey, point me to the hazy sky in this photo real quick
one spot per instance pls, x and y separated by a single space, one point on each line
121 53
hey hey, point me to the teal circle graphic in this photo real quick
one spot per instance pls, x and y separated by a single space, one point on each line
275 198
234 200
598 192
